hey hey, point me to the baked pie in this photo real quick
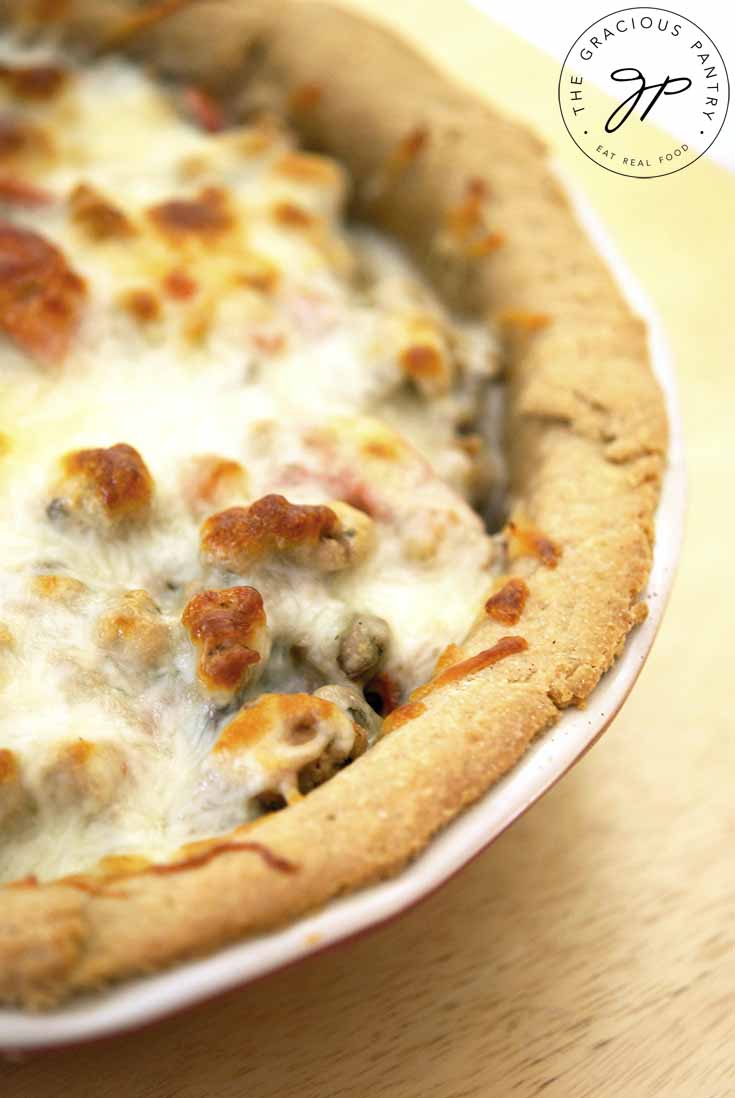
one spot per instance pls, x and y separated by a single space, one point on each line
329 453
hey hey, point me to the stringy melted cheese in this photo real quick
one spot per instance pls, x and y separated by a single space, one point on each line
284 358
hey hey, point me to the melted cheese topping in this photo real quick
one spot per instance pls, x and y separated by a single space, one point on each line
229 317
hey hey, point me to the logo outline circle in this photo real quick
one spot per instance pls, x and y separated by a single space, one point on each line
621 11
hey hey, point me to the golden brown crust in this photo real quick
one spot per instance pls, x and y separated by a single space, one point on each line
588 435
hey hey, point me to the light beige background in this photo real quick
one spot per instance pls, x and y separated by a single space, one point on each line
591 950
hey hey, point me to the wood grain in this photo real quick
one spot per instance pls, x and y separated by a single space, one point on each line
591 950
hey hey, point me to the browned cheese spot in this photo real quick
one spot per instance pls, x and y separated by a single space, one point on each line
295 717
142 305
502 649
203 109
204 218
240 537
8 766
21 140
64 590
260 275
15 191
179 285
209 482
228 629
521 320
466 222
524 540
33 82
269 858
97 217
292 216
507 604
134 631
84 776
423 363
402 156
41 297
402 715
306 96
112 483
307 168
13 795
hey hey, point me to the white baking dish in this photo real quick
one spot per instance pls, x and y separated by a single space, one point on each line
137 1002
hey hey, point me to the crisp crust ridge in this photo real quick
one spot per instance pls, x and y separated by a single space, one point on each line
587 441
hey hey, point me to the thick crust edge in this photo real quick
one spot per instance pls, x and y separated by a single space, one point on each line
587 437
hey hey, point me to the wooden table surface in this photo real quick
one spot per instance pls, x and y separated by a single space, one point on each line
591 950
